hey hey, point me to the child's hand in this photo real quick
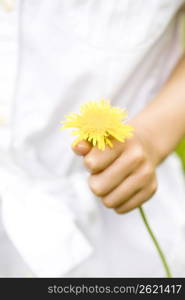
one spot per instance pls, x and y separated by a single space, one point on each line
123 176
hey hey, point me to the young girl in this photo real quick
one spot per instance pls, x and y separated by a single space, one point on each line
54 56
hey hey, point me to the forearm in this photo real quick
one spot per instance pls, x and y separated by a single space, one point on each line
162 122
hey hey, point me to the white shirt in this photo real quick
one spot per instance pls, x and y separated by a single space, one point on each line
54 56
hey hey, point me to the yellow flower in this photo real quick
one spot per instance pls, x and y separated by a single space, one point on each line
98 123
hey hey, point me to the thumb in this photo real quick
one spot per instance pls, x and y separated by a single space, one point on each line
82 148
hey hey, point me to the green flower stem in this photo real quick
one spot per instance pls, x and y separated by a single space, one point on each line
160 252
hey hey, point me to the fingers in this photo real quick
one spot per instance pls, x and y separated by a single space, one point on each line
82 148
97 160
117 172
123 176
136 181
125 190
138 199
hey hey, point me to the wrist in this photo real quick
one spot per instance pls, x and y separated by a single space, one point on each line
151 140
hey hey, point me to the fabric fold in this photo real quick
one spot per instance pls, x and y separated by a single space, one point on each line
42 227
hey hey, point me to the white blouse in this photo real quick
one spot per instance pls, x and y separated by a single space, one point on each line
54 56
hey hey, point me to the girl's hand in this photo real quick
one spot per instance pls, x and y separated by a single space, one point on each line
123 176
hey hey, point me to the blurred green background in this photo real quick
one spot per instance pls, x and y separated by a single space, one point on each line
181 147
181 152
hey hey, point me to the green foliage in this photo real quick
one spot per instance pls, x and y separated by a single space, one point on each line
181 152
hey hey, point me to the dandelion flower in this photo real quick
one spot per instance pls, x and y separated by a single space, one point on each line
98 123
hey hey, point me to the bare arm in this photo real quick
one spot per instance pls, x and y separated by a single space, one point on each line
125 177
163 120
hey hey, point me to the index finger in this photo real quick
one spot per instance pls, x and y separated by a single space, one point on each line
96 160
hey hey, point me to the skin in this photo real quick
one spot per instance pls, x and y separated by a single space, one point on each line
124 176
